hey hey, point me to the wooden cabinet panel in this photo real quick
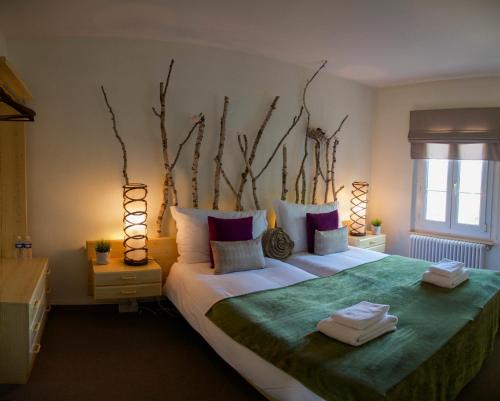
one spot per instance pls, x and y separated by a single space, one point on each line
23 312
13 184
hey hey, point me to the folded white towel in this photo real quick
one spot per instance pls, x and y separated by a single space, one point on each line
445 282
360 316
449 276
447 268
357 337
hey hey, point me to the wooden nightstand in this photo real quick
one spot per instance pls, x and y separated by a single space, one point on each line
369 241
116 280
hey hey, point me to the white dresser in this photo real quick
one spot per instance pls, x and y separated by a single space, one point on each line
369 241
23 312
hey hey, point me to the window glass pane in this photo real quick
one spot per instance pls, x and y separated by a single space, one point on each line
469 192
436 188
435 206
437 175
470 176
469 209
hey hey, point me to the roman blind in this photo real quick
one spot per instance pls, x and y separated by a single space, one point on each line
455 134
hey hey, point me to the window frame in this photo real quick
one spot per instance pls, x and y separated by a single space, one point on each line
451 226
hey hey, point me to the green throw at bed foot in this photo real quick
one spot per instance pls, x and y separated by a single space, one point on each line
441 341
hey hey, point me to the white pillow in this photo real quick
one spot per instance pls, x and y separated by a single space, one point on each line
291 217
192 230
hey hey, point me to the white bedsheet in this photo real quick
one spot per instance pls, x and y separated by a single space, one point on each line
193 289
328 265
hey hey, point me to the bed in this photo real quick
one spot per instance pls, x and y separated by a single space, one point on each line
232 312
194 289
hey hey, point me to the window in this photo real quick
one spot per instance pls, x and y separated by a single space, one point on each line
454 197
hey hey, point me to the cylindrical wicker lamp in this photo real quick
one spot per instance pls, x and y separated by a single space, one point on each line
358 209
135 228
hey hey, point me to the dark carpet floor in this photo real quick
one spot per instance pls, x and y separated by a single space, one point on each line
96 354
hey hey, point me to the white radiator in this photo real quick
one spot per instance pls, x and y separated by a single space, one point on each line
434 249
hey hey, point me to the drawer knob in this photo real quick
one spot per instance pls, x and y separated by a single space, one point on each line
37 348
48 308
128 277
37 326
48 290
128 292
48 272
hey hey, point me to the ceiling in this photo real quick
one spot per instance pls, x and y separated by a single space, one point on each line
376 42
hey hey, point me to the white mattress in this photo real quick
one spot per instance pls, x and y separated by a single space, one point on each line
328 265
193 288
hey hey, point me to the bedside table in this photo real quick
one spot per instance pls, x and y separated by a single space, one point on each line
369 241
117 280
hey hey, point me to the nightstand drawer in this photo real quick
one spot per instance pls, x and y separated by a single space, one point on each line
367 241
128 291
377 248
127 277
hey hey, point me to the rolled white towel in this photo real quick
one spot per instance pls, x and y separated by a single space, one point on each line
356 337
447 268
445 282
360 316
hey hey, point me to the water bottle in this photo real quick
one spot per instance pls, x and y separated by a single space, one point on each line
28 251
19 248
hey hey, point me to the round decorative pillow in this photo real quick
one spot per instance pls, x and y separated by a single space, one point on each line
277 244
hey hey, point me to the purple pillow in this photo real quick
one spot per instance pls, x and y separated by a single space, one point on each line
229 230
321 222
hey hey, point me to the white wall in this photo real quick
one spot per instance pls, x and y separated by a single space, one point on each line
3 45
391 180
74 172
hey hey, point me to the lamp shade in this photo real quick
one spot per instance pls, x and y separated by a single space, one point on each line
359 202
134 224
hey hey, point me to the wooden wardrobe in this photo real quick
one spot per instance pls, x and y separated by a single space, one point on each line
13 216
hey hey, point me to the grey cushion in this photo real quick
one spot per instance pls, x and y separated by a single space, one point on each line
235 256
331 241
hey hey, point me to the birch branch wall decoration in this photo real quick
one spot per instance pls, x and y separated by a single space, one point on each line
256 141
169 189
243 149
301 176
323 165
284 174
196 158
117 135
218 158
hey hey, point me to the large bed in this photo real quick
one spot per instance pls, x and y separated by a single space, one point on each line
205 300
194 289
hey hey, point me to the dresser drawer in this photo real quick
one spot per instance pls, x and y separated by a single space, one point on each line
367 241
38 311
39 295
127 278
127 291
38 322
36 339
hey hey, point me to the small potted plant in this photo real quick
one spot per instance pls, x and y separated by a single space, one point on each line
102 249
377 226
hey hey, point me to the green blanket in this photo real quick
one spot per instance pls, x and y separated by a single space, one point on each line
442 338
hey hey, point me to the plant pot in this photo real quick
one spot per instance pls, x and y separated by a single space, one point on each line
377 230
102 258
